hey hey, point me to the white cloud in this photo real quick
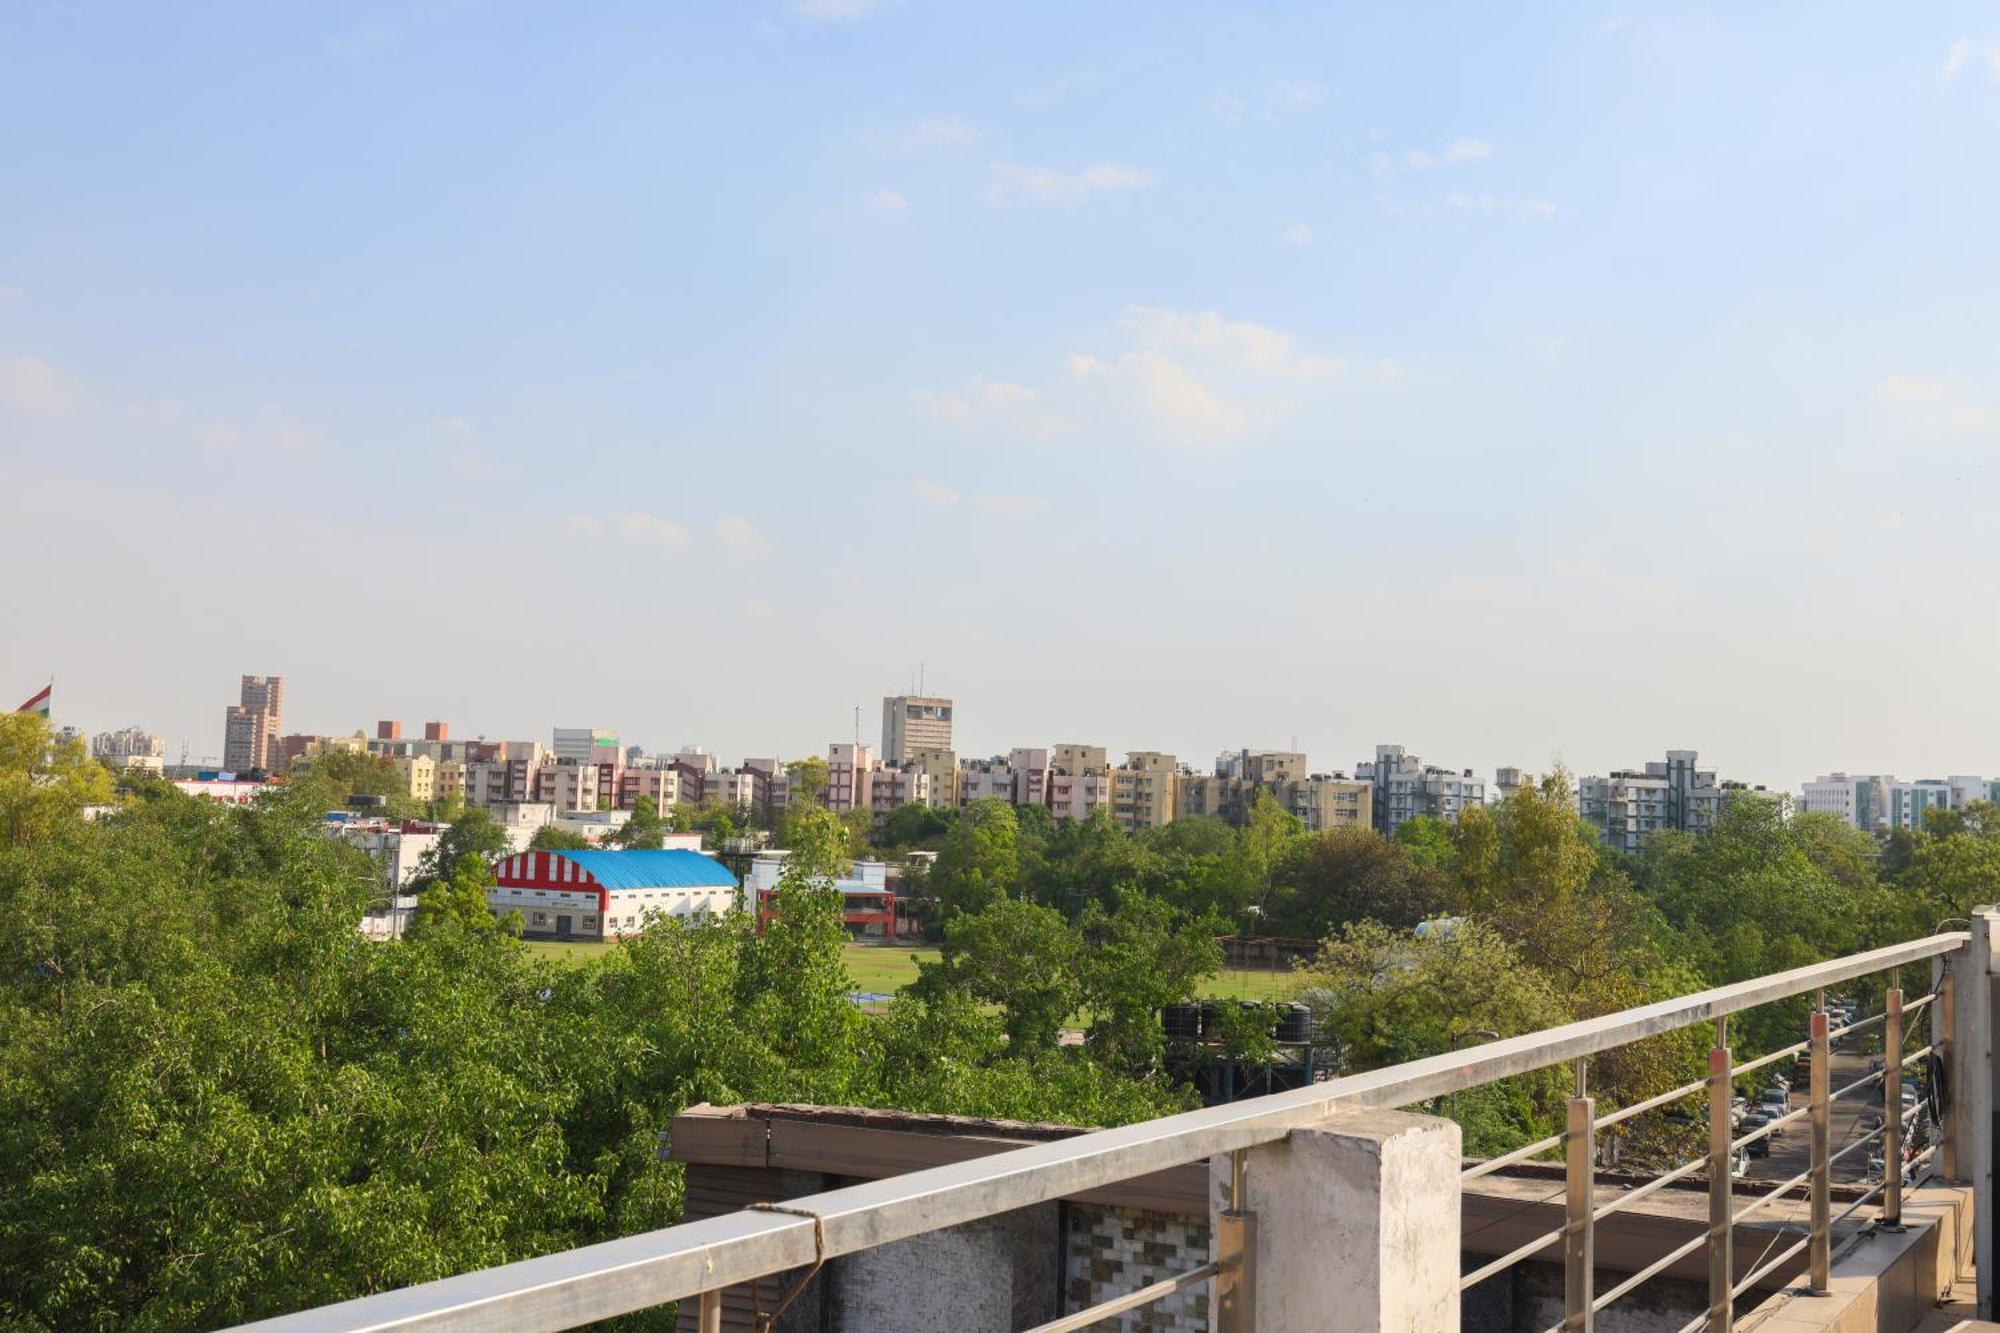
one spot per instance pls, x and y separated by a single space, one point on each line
30 384
943 497
1954 59
838 11
1006 181
1298 235
981 401
888 201
1939 404
937 134
1501 205
1012 504
740 537
1456 153
634 527
1274 104
1913 389
1188 378
1256 350
1296 94
1227 107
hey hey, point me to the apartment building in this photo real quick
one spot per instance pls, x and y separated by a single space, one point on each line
1143 789
1319 801
912 722
418 775
1021 777
1078 781
1404 787
251 725
847 777
1631 805
132 748
941 767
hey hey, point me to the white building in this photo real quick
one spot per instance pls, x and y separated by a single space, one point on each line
599 895
134 747
1860 800
1405 787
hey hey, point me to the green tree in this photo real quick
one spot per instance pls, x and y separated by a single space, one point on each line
43 783
1020 956
1390 995
553 838
645 829
809 778
1136 960
1429 842
979 863
914 824
460 902
474 833
1326 880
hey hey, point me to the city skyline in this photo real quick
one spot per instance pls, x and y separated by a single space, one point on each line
1565 385
1198 759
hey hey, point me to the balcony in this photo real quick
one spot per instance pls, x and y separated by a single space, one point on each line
1328 1207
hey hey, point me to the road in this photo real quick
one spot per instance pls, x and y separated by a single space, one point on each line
1845 1117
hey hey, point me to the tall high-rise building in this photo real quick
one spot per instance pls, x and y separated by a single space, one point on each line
250 731
914 722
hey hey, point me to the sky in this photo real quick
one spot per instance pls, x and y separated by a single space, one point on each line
1521 384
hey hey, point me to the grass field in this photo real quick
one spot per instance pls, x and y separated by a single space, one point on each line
885 969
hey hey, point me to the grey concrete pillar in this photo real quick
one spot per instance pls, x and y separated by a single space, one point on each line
1357 1223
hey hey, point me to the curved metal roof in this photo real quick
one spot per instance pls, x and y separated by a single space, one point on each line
652 870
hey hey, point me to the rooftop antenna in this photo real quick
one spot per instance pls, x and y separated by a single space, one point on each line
857 724
920 677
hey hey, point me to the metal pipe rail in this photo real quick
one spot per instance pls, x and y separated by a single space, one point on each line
637 1272
1159 1291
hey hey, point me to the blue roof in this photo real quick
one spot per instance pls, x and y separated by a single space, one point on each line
652 870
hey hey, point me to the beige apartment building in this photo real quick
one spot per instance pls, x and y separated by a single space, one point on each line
418 774
1143 790
941 767
912 722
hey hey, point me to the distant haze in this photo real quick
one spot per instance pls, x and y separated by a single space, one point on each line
1528 386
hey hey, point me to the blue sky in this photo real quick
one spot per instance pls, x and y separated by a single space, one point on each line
1562 384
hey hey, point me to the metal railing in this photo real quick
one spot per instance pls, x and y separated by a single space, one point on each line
699 1259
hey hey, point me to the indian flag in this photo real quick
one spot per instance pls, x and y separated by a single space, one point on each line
40 703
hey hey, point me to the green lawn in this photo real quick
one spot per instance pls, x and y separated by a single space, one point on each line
566 951
885 969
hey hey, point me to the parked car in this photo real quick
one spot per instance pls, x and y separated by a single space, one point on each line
1777 1097
1760 1148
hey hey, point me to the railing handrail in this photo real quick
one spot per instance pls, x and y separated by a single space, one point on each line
614 1277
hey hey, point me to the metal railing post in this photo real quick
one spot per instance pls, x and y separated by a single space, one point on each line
1973 1093
1235 1290
1579 1249
1892 1110
1820 1250
710 1320
1721 1195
